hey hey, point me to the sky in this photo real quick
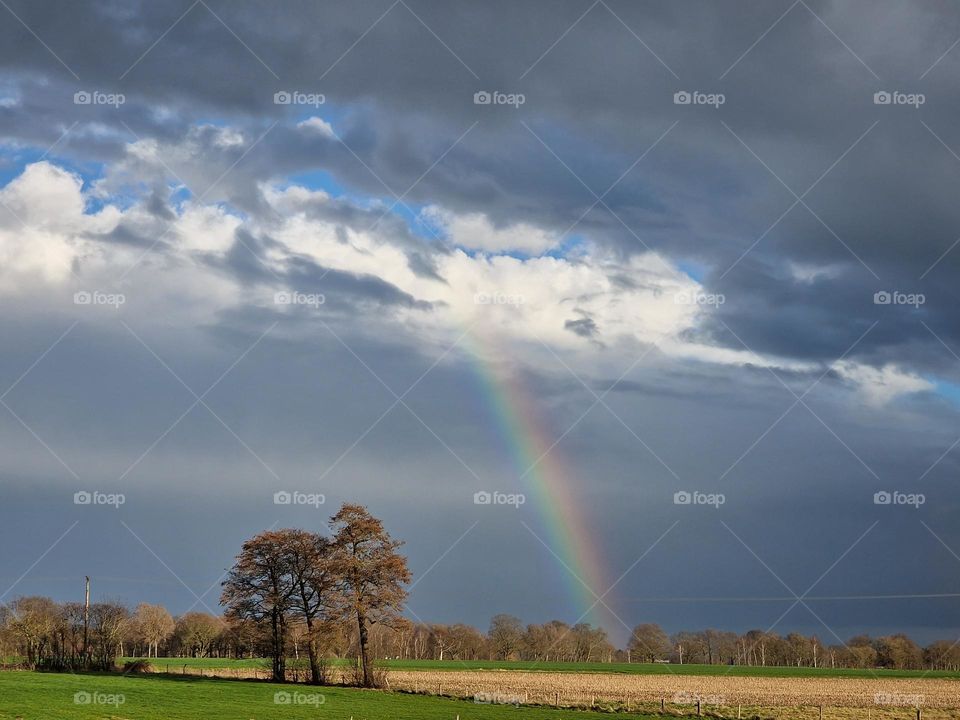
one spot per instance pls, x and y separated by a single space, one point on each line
615 312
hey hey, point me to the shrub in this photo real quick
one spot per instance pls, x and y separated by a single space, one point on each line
137 667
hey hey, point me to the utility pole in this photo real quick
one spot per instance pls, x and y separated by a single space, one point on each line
86 617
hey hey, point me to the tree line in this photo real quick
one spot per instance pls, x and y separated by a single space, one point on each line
308 596
649 643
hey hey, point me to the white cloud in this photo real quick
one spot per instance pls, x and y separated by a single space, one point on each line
317 125
597 309
474 231
807 273
880 385
43 227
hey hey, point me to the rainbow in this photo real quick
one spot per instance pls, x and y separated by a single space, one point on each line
538 459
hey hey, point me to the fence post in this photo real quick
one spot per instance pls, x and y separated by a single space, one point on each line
663 705
821 712
738 712
556 699
698 707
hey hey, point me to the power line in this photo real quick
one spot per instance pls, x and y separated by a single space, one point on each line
790 598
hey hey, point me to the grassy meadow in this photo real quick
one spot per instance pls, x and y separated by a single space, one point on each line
48 696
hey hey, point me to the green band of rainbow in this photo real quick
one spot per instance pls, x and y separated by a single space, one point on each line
559 501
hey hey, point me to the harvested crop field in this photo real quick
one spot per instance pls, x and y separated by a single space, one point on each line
583 688
782 698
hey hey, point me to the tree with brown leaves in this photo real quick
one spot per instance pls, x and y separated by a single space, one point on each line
259 587
372 574
315 599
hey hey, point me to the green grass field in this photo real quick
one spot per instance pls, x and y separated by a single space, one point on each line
48 696
629 668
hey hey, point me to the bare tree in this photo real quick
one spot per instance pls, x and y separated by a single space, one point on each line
648 642
32 620
506 634
153 625
108 623
197 631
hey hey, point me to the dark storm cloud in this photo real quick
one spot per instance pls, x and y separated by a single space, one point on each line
584 326
878 212
599 99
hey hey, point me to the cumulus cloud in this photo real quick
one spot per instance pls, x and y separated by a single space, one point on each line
578 304
474 231
882 384
44 229
318 126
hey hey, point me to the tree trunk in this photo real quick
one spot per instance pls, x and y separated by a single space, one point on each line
364 656
314 662
279 659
